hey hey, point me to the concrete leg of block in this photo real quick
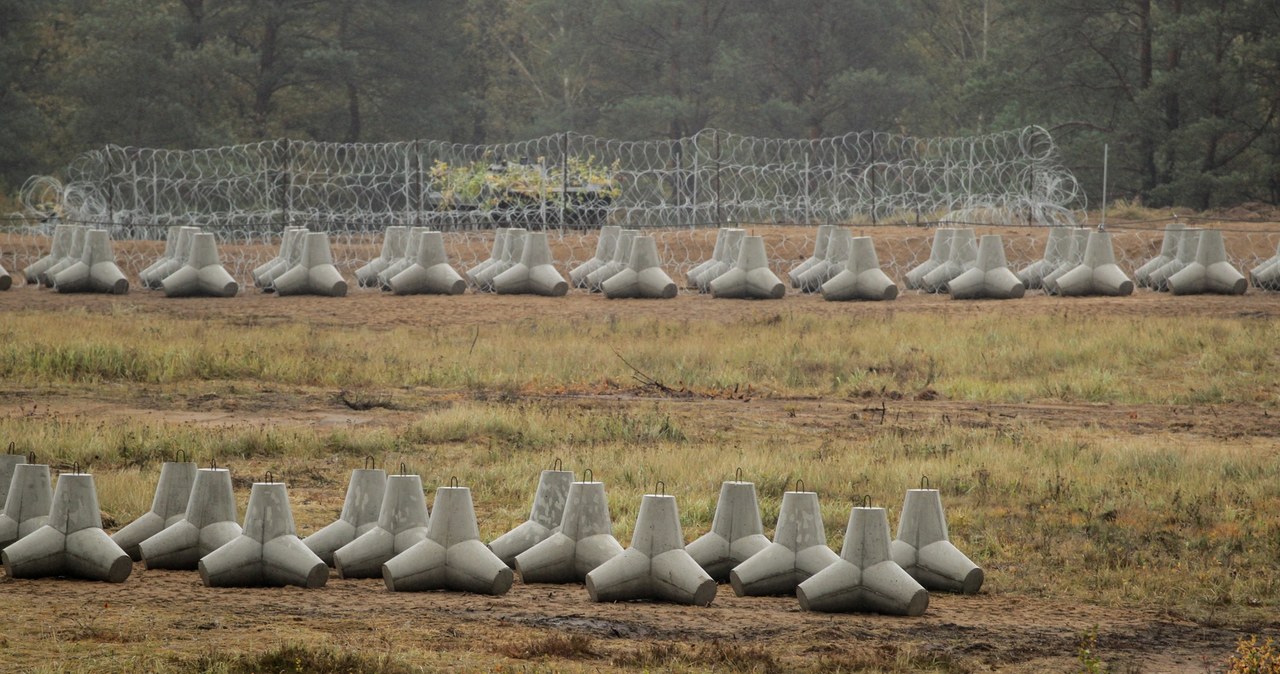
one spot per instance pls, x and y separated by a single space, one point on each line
1168 251
939 253
751 277
168 507
643 276
1267 274
495 255
74 251
862 278
819 255
264 277
512 252
605 246
1032 276
180 258
315 274
26 506
393 248
1211 272
534 273
430 272
1072 254
736 531
656 566
402 522
1188 243
209 523
799 550
73 542
728 259
452 557
268 551
203 273
1097 273
839 244
544 518
924 550
865 578
360 510
96 271
963 256
59 247
8 463
990 277
717 253
616 264
585 540
146 277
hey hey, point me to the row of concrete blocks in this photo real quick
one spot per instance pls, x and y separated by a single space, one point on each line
79 260
385 530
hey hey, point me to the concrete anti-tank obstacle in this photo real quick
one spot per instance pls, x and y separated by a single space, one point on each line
393 248
605 247
862 278
402 523
819 256
360 511
168 507
6 281
146 276
1072 254
58 247
264 276
939 253
1188 243
583 542
736 531
643 276
656 566
865 578
8 462
717 252
430 272
729 254
495 256
315 273
1211 272
1032 276
26 506
1098 273
963 256
839 246
165 267
96 271
209 523
72 542
202 274
923 549
751 277
412 244
71 254
1168 251
512 252
534 274
799 550
990 277
1267 274
452 556
544 518
615 265
267 552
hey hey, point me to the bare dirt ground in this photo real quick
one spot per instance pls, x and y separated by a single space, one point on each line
170 613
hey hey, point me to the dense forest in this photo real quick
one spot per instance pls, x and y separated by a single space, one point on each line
1186 93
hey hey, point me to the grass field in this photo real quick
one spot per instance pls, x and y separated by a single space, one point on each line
1114 467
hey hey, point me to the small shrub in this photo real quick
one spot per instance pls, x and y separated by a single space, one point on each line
1253 656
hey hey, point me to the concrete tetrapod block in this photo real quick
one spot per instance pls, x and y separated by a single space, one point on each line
1097 273
924 551
393 248
534 274
1032 276
1188 243
839 245
799 550
819 255
430 272
181 255
1211 272
209 523
264 276
963 257
865 578
58 247
1168 251
717 252
939 253
583 542
728 259
315 273
990 277
656 566
412 244
495 255
168 507
512 252
72 543
862 278
736 532
8 462
146 276
267 552
1267 274
544 517
452 556
202 274
402 523
6 281
643 276
606 244
73 252
360 511
96 271
26 506
621 256
1072 253
751 277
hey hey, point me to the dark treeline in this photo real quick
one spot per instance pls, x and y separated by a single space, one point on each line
1185 92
